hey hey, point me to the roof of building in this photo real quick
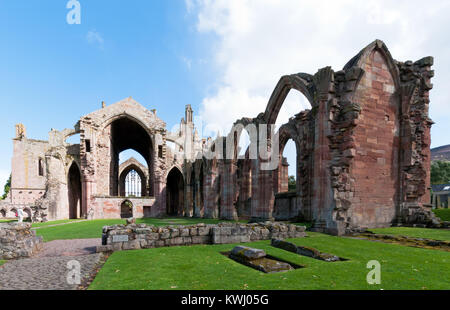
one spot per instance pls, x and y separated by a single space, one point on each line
441 187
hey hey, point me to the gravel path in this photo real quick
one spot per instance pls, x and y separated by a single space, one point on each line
73 247
48 270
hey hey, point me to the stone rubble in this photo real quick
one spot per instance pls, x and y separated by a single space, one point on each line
17 240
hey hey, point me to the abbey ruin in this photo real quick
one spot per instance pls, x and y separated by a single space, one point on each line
363 156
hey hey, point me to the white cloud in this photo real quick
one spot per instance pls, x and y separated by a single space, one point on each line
187 62
94 37
258 41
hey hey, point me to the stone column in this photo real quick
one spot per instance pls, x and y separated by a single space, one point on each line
159 209
228 210
210 192
197 199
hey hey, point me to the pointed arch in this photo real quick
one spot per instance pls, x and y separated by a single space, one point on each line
302 82
362 58
174 192
74 191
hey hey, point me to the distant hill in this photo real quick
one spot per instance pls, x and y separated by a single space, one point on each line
441 153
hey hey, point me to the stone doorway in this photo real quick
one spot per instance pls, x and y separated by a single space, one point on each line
126 209
175 192
74 192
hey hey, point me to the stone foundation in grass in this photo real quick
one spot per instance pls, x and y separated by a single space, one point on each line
143 236
305 251
18 240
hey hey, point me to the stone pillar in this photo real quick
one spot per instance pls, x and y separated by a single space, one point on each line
197 199
188 201
323 204
160 208
263 196
211 193
228 210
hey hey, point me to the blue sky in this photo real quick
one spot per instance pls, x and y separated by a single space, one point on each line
52 72
223 57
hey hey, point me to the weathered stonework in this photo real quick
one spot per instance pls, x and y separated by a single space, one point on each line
363 156
142 236
17 240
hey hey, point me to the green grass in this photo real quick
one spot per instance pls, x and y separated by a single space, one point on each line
53 223
428 233
443 214
6 221
93 228
2 262
203 267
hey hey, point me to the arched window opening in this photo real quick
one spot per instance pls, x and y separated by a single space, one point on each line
133 184
40 167
133 175
74 192
73 139
175 192
130 139
294 103
290 159
244 143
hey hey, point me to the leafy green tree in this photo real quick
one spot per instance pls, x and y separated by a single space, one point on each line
292 183
7 187
440 172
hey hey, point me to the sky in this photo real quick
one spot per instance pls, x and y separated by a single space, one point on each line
222 57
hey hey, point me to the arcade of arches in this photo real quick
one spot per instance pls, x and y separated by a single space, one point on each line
362 156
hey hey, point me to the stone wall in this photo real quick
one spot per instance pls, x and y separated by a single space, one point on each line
375 169
110 207
18 240
363 155
142 236
285 206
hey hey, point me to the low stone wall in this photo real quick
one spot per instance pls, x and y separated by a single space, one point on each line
110 207
18 240
142 236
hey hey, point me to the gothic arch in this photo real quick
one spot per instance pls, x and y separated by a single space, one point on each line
234 136
74 191
302 82
126 133
174 192
122 178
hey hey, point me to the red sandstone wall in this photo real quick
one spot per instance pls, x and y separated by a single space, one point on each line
375 169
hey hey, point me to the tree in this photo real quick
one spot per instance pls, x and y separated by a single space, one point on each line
440 172
7 187
292 183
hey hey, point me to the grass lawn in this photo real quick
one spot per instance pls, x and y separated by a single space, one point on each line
429 233
6 221
93 228
2 262
443 214
54 223
203 267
